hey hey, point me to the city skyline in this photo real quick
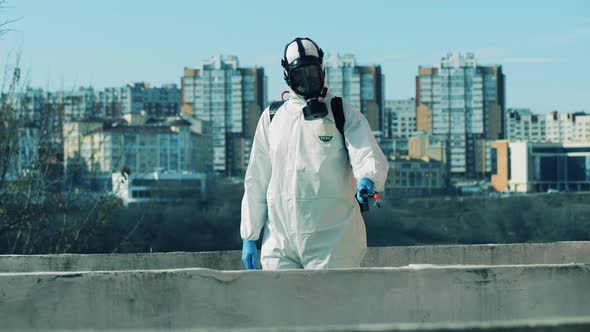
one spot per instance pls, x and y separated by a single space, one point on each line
541 46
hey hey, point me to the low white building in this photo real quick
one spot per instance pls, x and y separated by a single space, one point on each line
138 143
540 167
159 187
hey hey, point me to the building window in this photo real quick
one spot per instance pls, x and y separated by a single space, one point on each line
494 160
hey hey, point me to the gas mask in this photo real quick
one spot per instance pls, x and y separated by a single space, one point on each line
304 74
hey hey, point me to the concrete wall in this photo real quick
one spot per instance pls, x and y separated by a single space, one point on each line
543 325
549 325
204 298
528 253
221 260
491 254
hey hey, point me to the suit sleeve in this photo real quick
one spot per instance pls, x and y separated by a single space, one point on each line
254 206
366 157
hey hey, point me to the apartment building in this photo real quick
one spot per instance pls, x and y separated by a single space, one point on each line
567 127
401 117
522 125
462 103
230 99
362 86
107 147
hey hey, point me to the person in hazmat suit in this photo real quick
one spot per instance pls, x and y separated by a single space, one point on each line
303 174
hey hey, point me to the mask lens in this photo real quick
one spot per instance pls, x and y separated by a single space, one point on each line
307 80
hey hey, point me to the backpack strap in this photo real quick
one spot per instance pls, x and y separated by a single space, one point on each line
274 107
338 112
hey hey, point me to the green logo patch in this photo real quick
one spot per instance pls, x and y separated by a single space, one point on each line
325 138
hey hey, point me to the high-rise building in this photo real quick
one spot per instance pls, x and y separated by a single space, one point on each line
362 86
401 117
463 103
567 127
230 99
522 125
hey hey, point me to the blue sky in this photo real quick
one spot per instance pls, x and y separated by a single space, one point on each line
543 46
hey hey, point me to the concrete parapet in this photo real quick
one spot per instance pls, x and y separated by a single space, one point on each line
481 254
493 254
189 298
538 325
219 260
542 325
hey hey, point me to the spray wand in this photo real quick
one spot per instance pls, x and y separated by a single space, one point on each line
366 196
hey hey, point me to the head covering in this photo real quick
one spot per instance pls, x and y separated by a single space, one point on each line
303 69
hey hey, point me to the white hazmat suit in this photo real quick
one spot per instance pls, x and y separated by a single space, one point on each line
301 180
300 187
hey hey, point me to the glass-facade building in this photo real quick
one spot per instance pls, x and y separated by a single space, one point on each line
562 165
539 167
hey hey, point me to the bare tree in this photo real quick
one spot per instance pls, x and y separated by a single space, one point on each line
38 212
5 23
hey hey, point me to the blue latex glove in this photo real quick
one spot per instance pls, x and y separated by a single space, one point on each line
364 184
249 254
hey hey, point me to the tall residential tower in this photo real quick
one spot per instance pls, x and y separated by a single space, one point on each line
230 99
362 86
462 103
